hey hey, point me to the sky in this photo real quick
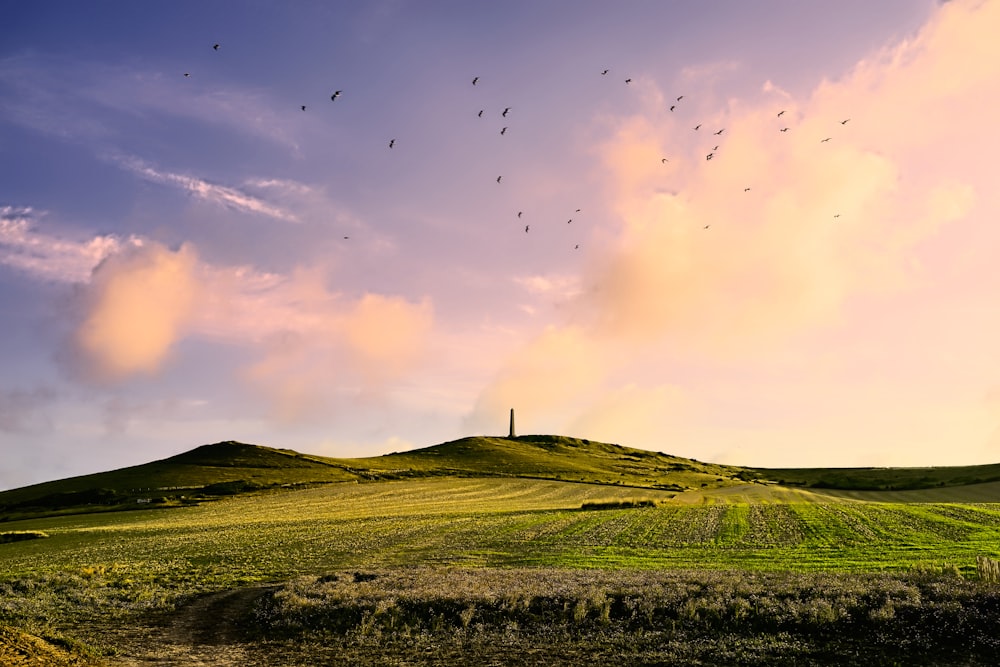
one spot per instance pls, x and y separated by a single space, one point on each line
751 233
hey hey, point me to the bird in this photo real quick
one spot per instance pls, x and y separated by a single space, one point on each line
504 114
715 148
303 107
628 80
698 126
215 46
392 142
577 210
346 237
526 228
474 80
680 97
784 129
844 122
837 215
746 189
498 178
569 221
605 72
503 131
576 247
520 213
335 95
720 131
664 161
481 112
706 226
709 156
187 74
823 141
781 112
673 106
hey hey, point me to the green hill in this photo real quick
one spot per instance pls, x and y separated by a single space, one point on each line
228 468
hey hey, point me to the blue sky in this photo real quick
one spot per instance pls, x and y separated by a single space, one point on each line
174 268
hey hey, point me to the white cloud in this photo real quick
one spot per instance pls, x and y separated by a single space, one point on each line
229 197
48 257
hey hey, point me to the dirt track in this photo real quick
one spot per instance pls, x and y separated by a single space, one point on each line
204 633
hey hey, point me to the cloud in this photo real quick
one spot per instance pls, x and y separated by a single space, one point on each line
229 197
135 308
23 411
724 262
84 101
48 257
307 347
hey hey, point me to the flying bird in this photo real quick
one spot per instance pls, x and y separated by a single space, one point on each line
605 72
576 247
577 210
526 228
746 189
303 107
498 178
664 161
823 141
520 213
706 226
187 74
716 148
781 112
784 129
844 122
837 215
335 95
503 131
698 126
709 156
215 46
681 97
673 106
392 142
628 80
474 80
504 114
481 112
720 131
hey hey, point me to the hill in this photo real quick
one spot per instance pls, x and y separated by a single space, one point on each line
227 468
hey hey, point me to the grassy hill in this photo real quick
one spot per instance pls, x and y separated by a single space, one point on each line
227 468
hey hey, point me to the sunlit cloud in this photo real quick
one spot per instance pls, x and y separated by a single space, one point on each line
726 260
308 346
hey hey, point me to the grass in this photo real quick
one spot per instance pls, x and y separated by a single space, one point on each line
434 517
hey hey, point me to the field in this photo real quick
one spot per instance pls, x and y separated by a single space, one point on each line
451 569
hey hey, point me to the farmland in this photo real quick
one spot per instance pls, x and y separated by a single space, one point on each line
100 581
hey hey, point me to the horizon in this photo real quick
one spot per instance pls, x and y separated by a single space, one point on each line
763 238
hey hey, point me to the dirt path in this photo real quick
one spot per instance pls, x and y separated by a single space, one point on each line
207 632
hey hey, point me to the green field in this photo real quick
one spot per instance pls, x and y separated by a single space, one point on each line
90 571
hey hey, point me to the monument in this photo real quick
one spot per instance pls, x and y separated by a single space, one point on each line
512 434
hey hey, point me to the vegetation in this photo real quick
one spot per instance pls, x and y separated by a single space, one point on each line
19 535
673 617
430 554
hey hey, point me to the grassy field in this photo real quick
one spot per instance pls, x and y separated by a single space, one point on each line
86 574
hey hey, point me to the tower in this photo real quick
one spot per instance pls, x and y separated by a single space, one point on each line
512 434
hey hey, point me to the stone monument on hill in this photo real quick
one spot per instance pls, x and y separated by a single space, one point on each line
512 434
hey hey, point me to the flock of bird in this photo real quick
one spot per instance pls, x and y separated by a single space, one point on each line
336 94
